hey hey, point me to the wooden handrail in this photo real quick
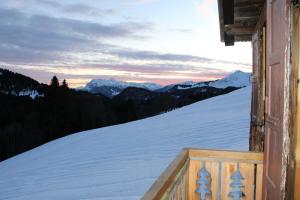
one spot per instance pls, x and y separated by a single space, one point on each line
165 180
245 156
163 184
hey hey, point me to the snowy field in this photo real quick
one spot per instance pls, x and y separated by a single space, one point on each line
121 162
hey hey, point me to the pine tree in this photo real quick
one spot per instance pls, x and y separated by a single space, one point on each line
65 84
54 82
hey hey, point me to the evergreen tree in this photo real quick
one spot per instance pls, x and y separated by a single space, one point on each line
65 84
54 82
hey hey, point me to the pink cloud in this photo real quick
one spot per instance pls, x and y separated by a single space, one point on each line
205 8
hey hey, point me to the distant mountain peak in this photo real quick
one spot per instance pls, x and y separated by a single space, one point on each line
236 79
111 87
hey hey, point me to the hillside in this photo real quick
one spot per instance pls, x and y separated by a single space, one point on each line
121 162
18 85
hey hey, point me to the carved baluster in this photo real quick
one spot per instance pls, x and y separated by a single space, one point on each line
204 183
237 185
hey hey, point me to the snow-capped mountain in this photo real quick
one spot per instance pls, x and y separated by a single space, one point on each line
237 79
121 162
111 87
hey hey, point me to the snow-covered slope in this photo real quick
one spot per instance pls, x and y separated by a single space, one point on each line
121 162
111 87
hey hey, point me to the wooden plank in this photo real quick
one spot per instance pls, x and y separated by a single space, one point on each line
165 180
294 164
187 182
246 12
247 171
193 175
259 182
275 133
184 189
228 169
213 169
235 30
228 155
248 3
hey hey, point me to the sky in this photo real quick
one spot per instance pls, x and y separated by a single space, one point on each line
160 41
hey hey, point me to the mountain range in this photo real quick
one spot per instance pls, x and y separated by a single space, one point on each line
111 87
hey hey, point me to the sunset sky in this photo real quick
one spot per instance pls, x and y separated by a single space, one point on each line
161 41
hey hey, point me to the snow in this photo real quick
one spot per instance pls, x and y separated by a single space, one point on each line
121 162
25 92
31 93
236 79
114 93
119 84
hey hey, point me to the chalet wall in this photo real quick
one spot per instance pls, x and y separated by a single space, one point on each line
293 170
256 142
258 92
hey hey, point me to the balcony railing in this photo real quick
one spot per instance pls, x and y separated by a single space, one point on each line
210 174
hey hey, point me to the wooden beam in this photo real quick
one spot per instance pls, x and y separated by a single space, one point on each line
262 17
247 6
228 11
248 3
246 18
228 39
243 156
243 38
246 12
221 19
239 30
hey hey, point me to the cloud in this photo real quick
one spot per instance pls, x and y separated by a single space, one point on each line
80 50
87 10
37 37
138 2
69 8
50 3
181 30
156 56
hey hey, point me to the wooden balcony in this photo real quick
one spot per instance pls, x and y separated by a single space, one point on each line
210 174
